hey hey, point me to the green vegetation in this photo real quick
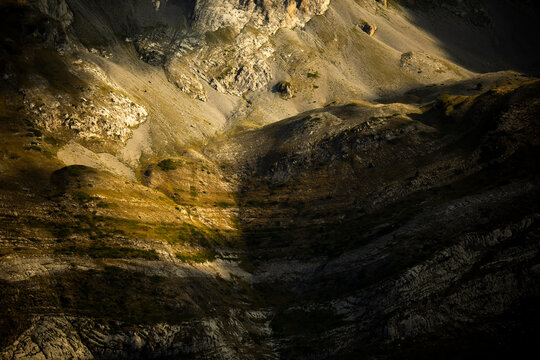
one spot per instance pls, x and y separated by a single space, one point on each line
446 97
32 148
168 164
199 256
99 249
34 132
105 205
52 141
99 227
65 175
130 297
223 204
313 75
255 203
83 198
190 234
193 191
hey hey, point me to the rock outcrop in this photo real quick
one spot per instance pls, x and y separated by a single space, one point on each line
226 43
159 198
285 89
368 28
96 111
354 230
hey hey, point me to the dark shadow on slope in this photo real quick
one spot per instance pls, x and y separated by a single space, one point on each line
471 87
395 199
102 280
120 291
102 23
483 36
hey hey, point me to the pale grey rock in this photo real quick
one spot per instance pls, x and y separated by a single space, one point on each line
61 337
48 337
100 111
180 75
227 44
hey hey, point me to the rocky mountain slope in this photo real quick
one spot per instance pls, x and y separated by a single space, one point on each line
306 179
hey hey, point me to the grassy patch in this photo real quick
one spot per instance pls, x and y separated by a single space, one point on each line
83 198
168 164
105 205
199 256
255 203
191 234
126 296
313 75
99 250
223 204
32 148
52 141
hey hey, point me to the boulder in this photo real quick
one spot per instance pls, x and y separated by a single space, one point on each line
368 28
285 89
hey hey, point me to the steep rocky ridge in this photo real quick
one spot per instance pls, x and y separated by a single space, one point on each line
444 226
341 219
194 51
387 209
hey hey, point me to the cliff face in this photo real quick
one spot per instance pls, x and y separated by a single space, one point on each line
223 43
268 179
220 62
419 263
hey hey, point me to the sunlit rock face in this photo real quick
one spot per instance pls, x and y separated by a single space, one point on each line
100 111
224 43
264 179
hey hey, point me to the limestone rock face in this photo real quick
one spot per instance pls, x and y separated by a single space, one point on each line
98 111
181 76
245 179
226 43
211 15
48 337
